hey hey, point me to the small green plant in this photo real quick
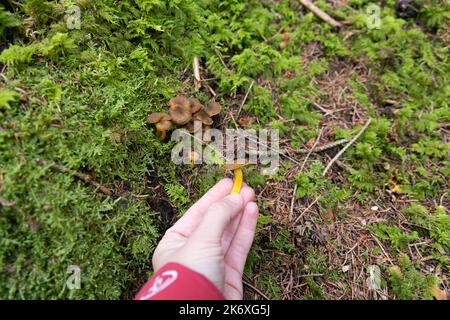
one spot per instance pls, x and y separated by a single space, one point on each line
7 21
283 242
407 283
436 225
398 239
177 194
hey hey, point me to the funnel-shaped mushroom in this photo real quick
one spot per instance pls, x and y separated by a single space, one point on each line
162 123
157 117
195 105
213 108
203 117
162 127
180 110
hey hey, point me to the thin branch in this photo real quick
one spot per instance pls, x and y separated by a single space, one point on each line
245 98
291 211
221 59
211 90
382 248
311 150
325 111
304 211
85 177
6 203
197 79
322 15
336 157
323 147
256 289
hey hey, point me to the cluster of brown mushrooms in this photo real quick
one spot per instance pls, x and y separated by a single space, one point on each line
184 111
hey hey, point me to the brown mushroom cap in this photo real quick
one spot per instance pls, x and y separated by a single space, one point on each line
213 108
164 125
180 115
180 110
181 101
203 117
195 105
157 117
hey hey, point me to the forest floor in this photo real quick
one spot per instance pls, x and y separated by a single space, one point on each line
85 182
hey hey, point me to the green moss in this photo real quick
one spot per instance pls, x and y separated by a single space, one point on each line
408 283
79 98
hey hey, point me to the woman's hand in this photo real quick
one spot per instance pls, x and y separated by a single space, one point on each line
213 237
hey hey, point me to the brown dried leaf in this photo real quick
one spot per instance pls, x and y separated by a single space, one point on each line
438 293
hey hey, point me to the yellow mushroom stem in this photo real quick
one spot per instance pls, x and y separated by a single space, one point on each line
161 134
238 179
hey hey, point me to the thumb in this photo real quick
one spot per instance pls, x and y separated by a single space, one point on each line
217 217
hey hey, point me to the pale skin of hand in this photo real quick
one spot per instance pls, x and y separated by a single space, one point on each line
213 237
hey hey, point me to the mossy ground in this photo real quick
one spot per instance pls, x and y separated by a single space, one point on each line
79 98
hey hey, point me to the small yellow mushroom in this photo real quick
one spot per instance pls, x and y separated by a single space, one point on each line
238 179
156 117
238 175
161 121
162 127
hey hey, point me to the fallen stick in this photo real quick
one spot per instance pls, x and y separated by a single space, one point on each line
256 289
6 203
323 147
245 98
197 79
306 210
291 211
346 147
311 150
322 15
85 177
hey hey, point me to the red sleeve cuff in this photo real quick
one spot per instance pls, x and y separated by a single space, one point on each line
176 282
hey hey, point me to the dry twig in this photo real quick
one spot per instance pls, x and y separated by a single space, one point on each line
304 211
85 177
336 157
291 211
245 98
323 147
197 79
6 203
311 150
256 290
322 15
